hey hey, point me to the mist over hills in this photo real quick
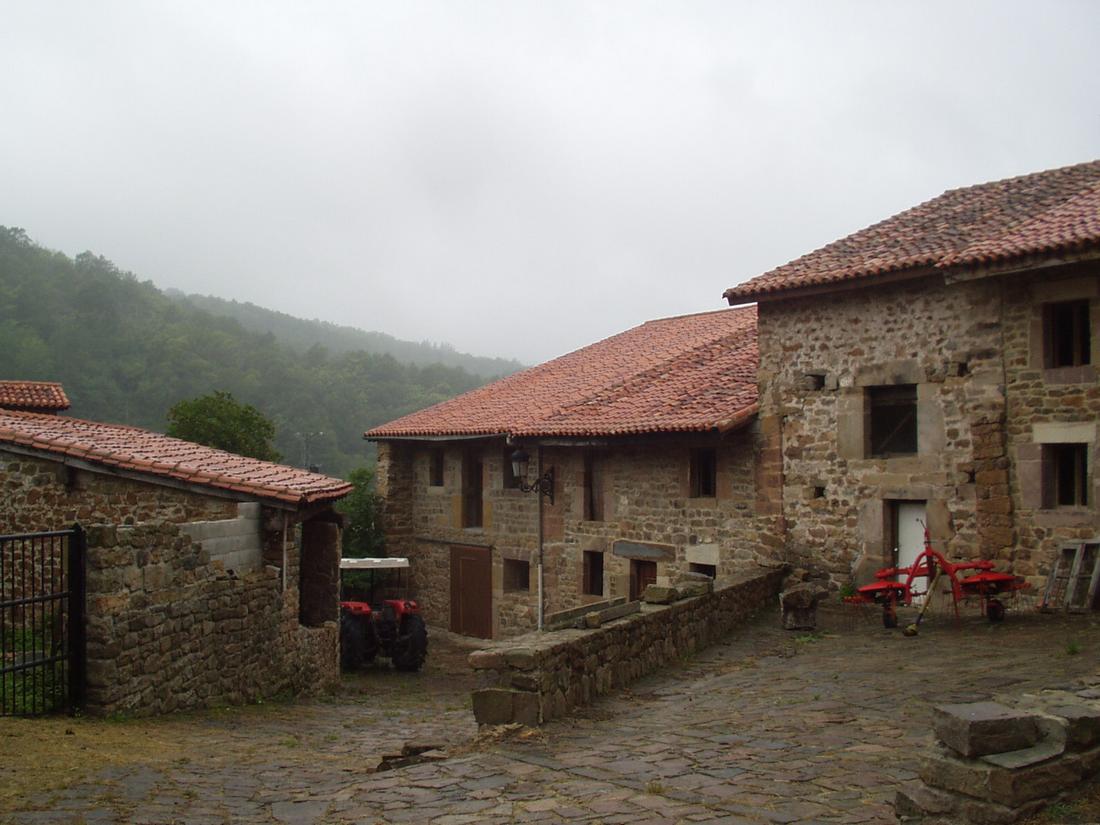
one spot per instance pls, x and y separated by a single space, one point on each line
126 352
301 334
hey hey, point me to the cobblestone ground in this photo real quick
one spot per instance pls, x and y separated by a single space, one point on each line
768 727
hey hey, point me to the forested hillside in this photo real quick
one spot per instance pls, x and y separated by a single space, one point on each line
126 353
301 334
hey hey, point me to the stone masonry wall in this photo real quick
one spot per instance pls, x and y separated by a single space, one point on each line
1048 406
646 498
986 405
45 495
818 355
541 676
169 630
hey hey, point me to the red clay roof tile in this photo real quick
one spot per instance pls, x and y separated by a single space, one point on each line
689 373
159 456
39 396
1047 212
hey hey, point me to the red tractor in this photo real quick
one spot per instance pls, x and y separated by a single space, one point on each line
392 628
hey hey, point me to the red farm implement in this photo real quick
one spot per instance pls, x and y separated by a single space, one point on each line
895 586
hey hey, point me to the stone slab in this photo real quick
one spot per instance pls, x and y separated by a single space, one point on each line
1082 725
980 728
1045 750
643 550
943 770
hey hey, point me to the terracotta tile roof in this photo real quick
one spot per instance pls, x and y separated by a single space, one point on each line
32 395
689 373
1046 212
159 456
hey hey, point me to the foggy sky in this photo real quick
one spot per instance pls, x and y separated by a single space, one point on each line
518 179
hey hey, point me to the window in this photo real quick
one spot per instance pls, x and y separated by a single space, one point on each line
435 467
893 420
1066 334
510 480
593 573
704 475
706 569
471 490
517 576
593 489
1065 475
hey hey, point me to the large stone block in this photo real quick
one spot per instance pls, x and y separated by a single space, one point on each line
660 594
990 783
979 728
1082 725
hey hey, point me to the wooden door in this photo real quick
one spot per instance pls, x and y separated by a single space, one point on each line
471 591
642 574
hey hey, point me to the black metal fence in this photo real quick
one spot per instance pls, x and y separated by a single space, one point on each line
42 645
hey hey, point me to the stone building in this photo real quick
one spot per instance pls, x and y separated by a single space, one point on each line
655 461
941 366
210 577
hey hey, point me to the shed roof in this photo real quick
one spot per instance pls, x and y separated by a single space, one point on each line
32 395
1055 211
681 374
120 447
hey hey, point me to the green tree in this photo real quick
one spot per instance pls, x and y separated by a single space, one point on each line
363 531
219 420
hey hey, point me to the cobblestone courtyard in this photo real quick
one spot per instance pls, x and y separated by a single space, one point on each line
768 727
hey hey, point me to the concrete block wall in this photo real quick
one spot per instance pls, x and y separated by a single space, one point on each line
236 544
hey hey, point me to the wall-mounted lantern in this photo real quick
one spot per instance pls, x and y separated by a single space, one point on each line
544 485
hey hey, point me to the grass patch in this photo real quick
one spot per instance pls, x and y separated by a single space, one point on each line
1073 648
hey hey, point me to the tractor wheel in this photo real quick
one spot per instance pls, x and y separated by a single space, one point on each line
411 647
995 610
355 647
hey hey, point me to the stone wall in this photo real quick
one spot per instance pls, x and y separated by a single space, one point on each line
1048 406
984 402
646 495
169 630
37 494
540 676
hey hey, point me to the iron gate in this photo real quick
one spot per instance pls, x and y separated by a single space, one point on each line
42 646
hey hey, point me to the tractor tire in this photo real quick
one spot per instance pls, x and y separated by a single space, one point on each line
995 610
357 646
411 647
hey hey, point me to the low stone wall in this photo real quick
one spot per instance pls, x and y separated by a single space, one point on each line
169 630
994 764
540 676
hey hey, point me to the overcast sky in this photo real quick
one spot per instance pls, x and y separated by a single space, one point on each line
517 179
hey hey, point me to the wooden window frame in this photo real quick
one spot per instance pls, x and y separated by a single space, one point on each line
473 491
595 505
1067 334
884 424
436 467
592 584
1065 469
703 472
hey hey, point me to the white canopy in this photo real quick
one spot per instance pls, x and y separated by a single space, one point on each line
373 564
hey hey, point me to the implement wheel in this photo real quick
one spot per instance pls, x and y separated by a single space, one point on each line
889 614
995 610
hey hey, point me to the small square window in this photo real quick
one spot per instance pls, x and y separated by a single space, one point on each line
1065 475
704 473
1067 340
435 467
517 576
892 411
706 569
593 573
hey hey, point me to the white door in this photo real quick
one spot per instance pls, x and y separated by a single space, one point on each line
911 521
